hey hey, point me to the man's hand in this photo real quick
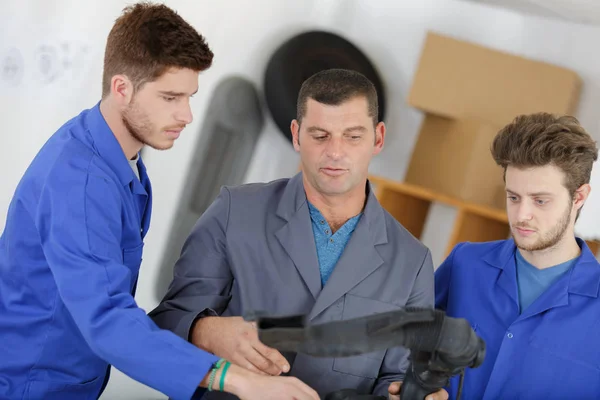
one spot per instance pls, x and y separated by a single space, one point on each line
249 386
394 393
278 388
236 340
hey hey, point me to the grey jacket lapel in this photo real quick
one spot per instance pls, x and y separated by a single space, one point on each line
296 236
359 259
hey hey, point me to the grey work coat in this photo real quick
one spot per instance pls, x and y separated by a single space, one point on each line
253 250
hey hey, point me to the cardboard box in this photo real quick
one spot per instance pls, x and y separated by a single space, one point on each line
458 79
453 157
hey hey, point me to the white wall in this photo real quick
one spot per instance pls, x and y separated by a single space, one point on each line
243 35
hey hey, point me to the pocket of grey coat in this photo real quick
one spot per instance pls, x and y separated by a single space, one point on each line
365 365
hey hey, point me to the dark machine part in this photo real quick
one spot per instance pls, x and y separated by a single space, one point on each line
303 56
441 346
230 130
351 394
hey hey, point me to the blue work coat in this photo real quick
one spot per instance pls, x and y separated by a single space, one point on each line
70 255
550 351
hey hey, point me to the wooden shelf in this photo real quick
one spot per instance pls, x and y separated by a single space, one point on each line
410 204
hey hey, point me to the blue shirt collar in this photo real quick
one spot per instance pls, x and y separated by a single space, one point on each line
585 273
107 145
317 217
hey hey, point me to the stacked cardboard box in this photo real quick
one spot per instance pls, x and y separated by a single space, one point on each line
468 92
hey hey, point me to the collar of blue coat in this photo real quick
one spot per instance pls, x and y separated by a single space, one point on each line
584 276
108 147
294 199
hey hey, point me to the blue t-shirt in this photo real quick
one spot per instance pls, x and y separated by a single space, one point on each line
329 246
533 281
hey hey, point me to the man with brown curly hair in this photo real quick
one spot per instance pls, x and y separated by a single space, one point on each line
533 298
72 246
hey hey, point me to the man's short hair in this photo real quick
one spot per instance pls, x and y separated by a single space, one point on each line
147 40
334 87
541 139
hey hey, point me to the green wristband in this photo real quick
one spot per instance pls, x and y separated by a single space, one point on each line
211 380
213 374
222 382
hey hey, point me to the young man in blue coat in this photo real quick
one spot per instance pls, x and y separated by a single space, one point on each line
72 246
534 297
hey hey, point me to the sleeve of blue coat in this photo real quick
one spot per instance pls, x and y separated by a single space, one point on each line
443 276
79 220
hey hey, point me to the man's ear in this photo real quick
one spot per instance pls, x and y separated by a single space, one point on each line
121 89
379 137
581 195
295 128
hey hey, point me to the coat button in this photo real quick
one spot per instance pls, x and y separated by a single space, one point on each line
509 335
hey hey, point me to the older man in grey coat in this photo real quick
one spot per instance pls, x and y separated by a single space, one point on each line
318 243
